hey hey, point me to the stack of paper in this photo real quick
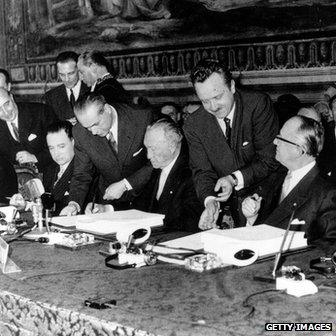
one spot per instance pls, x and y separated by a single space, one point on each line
109 222
264 239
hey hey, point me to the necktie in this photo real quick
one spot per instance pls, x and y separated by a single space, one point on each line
72 98
228 130
16 132
112 142
161 184
285 187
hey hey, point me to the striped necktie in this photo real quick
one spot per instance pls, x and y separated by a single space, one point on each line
16 132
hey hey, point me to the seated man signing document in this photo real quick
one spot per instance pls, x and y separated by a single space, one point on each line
301 189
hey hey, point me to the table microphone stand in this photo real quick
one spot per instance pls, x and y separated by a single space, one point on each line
278 254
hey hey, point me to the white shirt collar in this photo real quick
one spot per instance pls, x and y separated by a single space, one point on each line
166 170
75 90
297 175
114 127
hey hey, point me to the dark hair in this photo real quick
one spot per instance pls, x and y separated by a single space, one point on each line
170 128
60 125
6 74
96 57
313 133
206 67
67 56
88 99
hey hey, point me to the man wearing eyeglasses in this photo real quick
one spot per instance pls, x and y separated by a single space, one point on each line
109 143
230 140
300 187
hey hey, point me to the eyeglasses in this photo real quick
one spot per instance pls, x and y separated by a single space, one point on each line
290 142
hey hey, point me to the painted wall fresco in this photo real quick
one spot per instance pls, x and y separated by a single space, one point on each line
118 25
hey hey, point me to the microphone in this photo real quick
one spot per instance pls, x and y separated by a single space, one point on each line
33 189
278 255
48 203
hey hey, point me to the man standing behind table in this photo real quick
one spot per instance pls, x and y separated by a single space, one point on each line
230 140
56 179
108 142
94 71
23 130
170 190
63 97
300 188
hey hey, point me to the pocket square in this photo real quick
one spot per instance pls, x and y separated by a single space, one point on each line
296 221
32 136
138 152
66 193
245 143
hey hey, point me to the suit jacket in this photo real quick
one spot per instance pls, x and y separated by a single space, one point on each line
34 118
315 199
58 100
112 91
178 200
8 180
94 154
252 151
60 190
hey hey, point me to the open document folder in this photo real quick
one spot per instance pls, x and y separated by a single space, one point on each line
263 239
109 222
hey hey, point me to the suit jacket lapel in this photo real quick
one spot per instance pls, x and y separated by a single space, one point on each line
237 122
125 134
299 195
24 123
62 184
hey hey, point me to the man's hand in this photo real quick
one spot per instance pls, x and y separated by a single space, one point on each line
98 208
209 216
225 183
69 210
25 157
251 207
115 190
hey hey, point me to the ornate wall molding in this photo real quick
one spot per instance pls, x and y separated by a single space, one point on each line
163 75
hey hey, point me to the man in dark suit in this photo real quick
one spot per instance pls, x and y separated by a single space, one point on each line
230 140
299 188
63 97
8 180
108 142
94 70
22 131
57 177
170 190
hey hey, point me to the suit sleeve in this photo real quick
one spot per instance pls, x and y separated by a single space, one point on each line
140 178
185 214
82 175
265 129
322 232
205 177
47 117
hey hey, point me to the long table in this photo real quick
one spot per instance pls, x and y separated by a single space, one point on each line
47 297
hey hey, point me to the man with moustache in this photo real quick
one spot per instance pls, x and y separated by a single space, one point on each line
56 179
63 97
230 141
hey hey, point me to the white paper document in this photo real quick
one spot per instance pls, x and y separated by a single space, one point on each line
109 222
264 239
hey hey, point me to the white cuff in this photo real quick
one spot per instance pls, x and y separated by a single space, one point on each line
127 185
240 180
